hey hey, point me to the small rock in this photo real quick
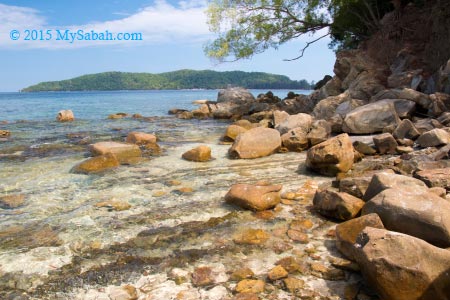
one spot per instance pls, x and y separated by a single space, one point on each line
341 206
250 286
65 116
241 274
277 273
202 276
433 138
117 205
298 236
385 143
363 148
404 149
199 154
251 237
293 285
159 193
292 265
254 197
11 201
5 133
183 190
301 225
141 138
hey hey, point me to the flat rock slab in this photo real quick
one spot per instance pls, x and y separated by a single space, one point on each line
122 151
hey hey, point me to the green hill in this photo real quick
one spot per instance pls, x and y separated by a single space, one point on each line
182 79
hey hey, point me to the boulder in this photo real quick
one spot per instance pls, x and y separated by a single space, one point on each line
176 111
341 206
295 140
300 120
254 197
5 133
326 108
12 201
402 267
235 95
421 99
65 116
332 156
256 142
97 164
424 125
279 117
433 138
444 119
348 231
345 107
406 130
371 118
385 143
435 177
185 115
232 132
363 148
320 132
201 153
423 215
123 152
382 181
140 138
357 186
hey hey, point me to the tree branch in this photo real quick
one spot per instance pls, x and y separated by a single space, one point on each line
307 45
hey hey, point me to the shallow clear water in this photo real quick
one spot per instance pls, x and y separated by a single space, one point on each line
60 224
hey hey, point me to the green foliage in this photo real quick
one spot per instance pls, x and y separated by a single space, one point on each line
182 79
248 27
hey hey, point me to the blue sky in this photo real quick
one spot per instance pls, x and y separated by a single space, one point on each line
174 33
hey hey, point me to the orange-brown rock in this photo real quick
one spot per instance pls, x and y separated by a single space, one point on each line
332 156
65 116
141 138
11 201
5 133
256 142
97 164
122 151
202 276
201 153
232 132
244 273
254 197
251 237
250 286
341 206
277 273
113 204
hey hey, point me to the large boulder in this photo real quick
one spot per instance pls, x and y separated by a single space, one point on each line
123 152
254 197
371 118
382 181
300 120
357 186
295 140
421 99
256 142
332 156
65 116
435 177
201 153
97 164
402 267
348 231
320 132
340 206
326 108
424 215
232 132
235 95
433 138
406 130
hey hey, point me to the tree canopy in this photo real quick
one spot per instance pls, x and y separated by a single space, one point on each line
248 27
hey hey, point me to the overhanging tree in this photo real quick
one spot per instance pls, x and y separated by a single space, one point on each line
248 27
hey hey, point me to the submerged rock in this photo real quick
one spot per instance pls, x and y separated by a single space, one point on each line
251 237
5 133
65 116
256 142
402 267
97 164
199 154
122 151
140 138
254 197
332 156
11 201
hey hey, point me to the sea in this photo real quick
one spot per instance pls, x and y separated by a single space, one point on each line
77 234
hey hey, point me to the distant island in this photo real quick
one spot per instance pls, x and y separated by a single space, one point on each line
182 79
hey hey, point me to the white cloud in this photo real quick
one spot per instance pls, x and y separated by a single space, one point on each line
158 23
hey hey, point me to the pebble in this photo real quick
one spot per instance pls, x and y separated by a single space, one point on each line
251 237
277 273
202 276
113 204
241 274
250 286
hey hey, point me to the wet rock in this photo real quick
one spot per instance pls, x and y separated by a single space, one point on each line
254 197
137 116
341 206
199 154
113 204
5 133
298 236
331 157
175 111
256 142
402 267
246 296
320 132
301 225
202 276
435 177
29 237
383 181
140 138
371 118
232 132
251 237
406 130
185 115
122 151
235 95
117 116
241 274
300 120
295 140
423 215
292 265
293 285
277 273
363 148
347 232
385 143
11 201
65 116
433 138
250 286
97 164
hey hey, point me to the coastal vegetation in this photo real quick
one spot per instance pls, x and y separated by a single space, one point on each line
182 79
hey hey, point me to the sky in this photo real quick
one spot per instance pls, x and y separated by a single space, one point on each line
173 33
